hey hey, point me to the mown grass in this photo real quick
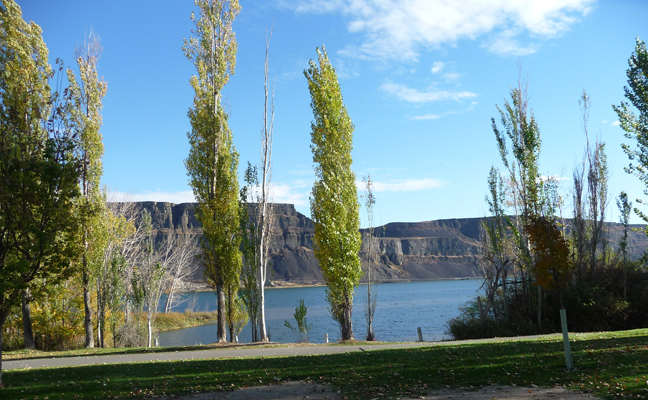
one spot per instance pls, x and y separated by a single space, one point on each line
608 365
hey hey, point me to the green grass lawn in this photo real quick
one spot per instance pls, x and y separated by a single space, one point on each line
609 364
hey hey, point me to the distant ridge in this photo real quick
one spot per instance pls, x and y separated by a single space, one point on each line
402 251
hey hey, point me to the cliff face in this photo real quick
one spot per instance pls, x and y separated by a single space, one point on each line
400 251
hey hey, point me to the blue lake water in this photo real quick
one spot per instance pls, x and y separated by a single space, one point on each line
401 308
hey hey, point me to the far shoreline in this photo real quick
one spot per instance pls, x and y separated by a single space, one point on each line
202 287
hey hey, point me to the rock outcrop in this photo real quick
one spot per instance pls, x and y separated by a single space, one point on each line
442 249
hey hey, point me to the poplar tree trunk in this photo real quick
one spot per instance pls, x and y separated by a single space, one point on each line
539 307
28 333
222 320
347 326
89 339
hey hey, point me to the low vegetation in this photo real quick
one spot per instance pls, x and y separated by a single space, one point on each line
608 364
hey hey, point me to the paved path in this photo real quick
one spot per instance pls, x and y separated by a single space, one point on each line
239 352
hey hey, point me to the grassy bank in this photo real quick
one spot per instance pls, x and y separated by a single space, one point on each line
608 364
163 322
171 321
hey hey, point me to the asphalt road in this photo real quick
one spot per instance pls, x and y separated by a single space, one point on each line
232 352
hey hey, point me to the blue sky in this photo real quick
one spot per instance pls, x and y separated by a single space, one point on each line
420 79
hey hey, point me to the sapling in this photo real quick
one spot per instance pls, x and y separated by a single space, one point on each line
303 327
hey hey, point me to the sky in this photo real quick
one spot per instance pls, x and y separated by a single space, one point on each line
421 80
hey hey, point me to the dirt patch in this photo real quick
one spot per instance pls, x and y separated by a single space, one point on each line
309 391
287 391
510 393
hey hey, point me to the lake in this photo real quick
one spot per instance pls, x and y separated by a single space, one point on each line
401 308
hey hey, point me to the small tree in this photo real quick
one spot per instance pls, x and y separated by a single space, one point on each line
552 268
303 327
370 310
498 254
625 207
334 202
147 279
249 293
237 316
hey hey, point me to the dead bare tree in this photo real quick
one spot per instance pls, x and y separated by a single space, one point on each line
182 267
264 207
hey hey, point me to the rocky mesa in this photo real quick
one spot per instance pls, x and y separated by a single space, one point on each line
401 251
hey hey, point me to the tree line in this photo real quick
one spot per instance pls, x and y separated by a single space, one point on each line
537 258
79 268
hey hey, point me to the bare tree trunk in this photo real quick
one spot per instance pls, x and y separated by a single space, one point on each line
150 330
222 320
539 307
263 334
28 333
505 301
89 334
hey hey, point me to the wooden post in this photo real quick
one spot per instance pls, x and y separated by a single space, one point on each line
326 338
565 332
420 333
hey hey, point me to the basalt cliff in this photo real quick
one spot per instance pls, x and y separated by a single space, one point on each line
442 249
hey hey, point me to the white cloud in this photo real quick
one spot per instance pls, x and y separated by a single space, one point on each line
397 29
415 96
437 67
183 196
426 117
616 123
284 193
402 185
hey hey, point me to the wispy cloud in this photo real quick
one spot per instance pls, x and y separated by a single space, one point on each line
403 185
397 29
616 123
416 96
426 117
437 67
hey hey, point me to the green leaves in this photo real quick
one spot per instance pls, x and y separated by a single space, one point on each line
636 126
334 202
212 164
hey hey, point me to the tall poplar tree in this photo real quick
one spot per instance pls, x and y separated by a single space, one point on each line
334 202
88 96
633 117
520 137
38 168
212 163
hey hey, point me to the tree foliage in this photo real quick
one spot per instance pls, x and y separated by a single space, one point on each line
634 124
38 166
334 202
86 99
212 163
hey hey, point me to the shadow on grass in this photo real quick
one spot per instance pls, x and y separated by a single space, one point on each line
607 366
